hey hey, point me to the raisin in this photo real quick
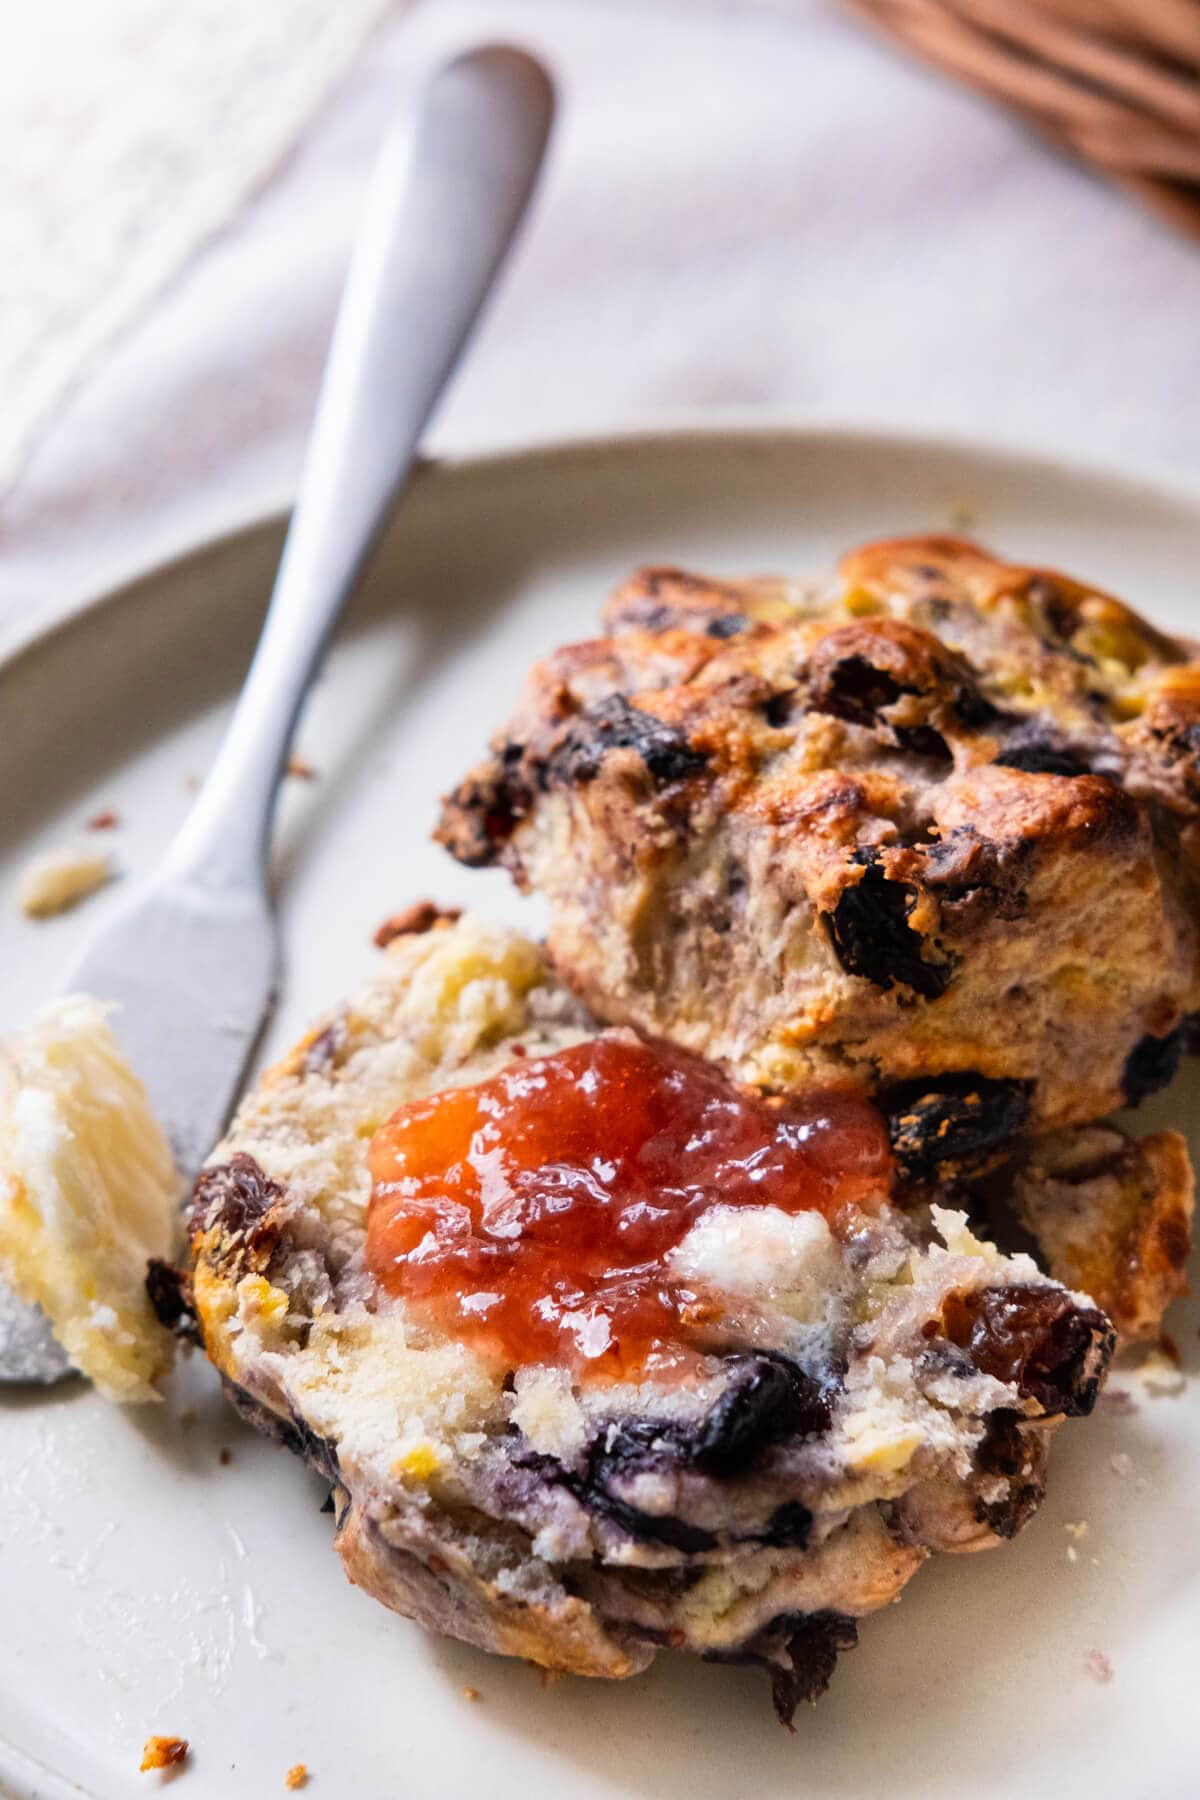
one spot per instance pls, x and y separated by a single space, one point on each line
1053 1350
923 740
777 710
789 1526
482 813
855 690
871 936
968 871
1009 1451
799 1652
616 725
236 1196
1037 752
961 1120
169 1291
770 1400
728 625
1152 1063
624 1450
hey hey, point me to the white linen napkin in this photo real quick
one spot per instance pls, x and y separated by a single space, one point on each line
748 205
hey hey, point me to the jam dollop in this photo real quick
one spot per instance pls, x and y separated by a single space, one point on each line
531 1215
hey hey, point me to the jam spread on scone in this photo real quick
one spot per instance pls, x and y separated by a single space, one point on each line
534 1214
601 1353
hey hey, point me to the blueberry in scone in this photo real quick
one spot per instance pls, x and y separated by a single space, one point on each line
601 1352
935 831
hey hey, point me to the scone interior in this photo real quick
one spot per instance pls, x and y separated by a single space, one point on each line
933 829
814 1395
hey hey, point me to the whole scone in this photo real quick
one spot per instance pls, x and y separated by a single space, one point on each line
850 1386
934 831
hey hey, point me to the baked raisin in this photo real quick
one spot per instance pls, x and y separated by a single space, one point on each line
871 935
799 1652
955 1122
614 724
1152 1064
1050 1348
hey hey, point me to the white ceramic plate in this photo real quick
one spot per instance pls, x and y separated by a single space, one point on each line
146 1587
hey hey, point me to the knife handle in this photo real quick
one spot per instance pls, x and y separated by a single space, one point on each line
446 200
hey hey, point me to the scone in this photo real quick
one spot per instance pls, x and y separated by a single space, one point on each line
601 1353
934 831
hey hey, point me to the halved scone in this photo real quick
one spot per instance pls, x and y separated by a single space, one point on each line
601 1353
937 826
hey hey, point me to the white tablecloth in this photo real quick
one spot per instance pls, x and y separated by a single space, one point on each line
749 205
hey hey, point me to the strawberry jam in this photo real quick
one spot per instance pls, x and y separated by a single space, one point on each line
531 1215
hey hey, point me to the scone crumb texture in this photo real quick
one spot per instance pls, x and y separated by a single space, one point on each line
296 1777
163 1753
55 882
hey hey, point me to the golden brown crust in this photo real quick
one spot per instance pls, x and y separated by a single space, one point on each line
1112 1216
943 821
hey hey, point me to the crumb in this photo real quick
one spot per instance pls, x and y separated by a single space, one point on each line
1098 1666
1118 1400
415 920
548 1677
963 515
302 770
1121 1463
60 880
1160 1372
191 783
1076 1528
1072 1553
224 1456
163 1753
108 820
470 1693
297 1776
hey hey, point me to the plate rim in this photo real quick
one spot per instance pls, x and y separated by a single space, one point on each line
717 429
657 429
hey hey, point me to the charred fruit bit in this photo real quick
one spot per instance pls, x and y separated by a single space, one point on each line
415 921
799 1652
169 1291
163 1753
871 935
772 1400
1151 1064
728 625
855 690
236 1196
616 725
108 820
789 1526
1053 1350
1041 755
1010 1451
957 1123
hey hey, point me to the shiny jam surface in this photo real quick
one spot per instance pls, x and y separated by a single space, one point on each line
531 1215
